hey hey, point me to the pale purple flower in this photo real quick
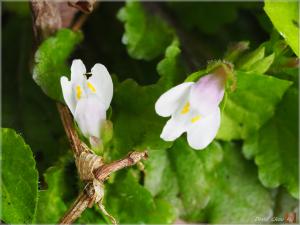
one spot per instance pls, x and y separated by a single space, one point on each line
88 98
194 108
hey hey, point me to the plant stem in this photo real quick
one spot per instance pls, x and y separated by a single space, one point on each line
78 207
68 124
85 199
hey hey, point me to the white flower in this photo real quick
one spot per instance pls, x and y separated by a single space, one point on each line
88 98
194 108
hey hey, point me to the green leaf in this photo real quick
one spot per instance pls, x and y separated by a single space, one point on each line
171 69
237 195
19 183
275 146
131 203
25 107
262 65
133 104
176 175
146 36
50 61
247 61
285 18
192 182
51 204
136 125
250 105
215 185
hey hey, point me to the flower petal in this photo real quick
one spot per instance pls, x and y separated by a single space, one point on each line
66 86
173 129
207 93
202 133
89 115
169 102
77 71
101 84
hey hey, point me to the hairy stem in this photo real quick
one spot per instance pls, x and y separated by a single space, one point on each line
77 208
68 124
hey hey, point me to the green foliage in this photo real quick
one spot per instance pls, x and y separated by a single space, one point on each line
136 125
174 175
275 146
262 65
19 181
146 36
24 106
256 61
134 105
91 216
212 179
130 202
285 17
171 68
51 203
243 113
235 199
170 40
50 61
246 62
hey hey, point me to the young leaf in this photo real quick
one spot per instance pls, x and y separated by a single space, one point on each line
131 203
250 105
19 183
50 61
285 18
275 146
262 65
146 36
251 58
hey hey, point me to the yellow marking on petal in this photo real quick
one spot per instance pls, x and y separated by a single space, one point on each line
91 87
195 119
78 92
186 108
